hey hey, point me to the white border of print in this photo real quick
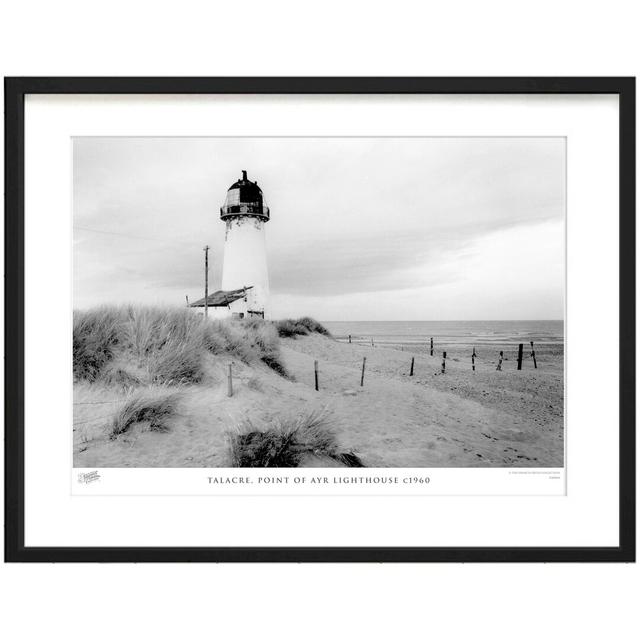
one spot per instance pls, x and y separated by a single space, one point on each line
586 516
319 482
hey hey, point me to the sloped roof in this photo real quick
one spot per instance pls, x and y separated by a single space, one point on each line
221 298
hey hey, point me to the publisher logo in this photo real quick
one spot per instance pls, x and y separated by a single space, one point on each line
86 478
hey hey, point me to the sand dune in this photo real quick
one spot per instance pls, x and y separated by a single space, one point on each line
459 419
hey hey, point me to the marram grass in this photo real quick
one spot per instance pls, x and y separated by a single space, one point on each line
163 345
151 406
286 441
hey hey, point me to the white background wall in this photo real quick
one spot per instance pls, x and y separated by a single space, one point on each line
332 38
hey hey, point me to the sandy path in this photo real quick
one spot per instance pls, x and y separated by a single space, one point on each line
486 418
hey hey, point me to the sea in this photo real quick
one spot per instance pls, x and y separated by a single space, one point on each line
461 333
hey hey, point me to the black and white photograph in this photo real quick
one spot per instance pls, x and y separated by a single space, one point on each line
371 302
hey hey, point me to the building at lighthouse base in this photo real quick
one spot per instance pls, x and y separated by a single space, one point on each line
238 303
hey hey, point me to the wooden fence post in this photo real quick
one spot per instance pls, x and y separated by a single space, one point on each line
520 356
533 355
499 367
315 371
364 360
349 338
431 346
230 384
411 372
444 361
372 343
473 360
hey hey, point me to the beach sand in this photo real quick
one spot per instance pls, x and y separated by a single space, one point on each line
461 418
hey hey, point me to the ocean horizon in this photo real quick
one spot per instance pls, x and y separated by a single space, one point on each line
451 332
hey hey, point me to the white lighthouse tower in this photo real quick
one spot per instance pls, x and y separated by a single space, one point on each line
245 280
245 213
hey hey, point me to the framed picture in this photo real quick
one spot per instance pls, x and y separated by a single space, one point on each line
320 319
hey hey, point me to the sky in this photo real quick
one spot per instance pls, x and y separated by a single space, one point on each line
360 229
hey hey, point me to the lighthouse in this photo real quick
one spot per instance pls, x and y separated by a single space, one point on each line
245 279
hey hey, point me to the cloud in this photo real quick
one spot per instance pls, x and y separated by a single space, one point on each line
350 216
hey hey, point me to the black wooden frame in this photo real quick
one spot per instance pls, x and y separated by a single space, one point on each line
15 91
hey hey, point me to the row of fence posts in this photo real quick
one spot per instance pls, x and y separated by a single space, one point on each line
444 364
474 355
443 369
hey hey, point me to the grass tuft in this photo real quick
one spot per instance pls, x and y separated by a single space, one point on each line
152 406
169 341
272 448
96 334
227 338
250 340
274 363
290 328
177 362
286 442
